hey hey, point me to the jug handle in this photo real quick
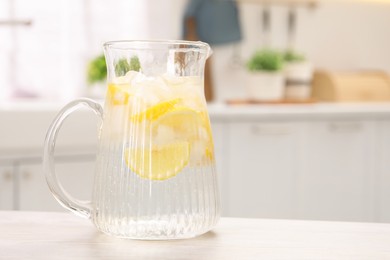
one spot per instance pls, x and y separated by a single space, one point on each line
81 208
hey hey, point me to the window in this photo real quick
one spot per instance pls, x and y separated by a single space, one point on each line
47 58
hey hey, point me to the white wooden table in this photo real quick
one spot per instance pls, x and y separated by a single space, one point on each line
41 235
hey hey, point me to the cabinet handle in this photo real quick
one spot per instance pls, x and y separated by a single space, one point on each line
270 130
27 175
344 127
7 176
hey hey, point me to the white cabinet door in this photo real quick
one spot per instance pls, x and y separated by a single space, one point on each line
383 170
262 163
337 174
219 137
75 177
6 188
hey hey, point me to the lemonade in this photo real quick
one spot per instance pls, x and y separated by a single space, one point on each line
156 139
166 114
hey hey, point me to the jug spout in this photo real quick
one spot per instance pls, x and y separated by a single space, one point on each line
206 49
209 51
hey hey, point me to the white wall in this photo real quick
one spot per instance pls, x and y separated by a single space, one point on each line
347 36
165 18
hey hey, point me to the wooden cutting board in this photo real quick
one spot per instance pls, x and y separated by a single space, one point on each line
358 86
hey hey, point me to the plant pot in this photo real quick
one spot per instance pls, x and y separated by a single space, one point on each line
298 80
266 86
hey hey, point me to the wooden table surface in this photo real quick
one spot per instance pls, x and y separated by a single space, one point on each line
42 235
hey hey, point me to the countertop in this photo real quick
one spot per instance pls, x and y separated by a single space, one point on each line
221 111
18 116
41 235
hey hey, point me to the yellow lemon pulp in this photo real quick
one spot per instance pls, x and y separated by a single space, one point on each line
209 152
161 162
118 94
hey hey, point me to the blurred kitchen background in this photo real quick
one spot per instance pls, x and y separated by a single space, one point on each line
317 148
45 45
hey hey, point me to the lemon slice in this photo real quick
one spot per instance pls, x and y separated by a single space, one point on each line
183 120
188 125
161 162
154 112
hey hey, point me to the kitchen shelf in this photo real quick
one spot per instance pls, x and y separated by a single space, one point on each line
309 3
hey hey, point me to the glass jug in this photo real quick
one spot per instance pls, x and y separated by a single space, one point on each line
155 172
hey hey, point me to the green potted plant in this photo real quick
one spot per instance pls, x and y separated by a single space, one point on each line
266 79
299 74
96 76
97 70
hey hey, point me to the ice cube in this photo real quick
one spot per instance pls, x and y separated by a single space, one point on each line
203 134
121 80
198 149
172 80
153 90
164 135
135 76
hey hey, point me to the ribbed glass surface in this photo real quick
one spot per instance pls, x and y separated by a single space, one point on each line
155 174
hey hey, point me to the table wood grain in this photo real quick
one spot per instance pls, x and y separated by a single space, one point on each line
41 235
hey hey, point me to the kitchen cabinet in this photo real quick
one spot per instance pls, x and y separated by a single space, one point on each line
6 188
337 177
382 195
320 169
75 177
23 185
219 137
21 140
262 161
34 193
